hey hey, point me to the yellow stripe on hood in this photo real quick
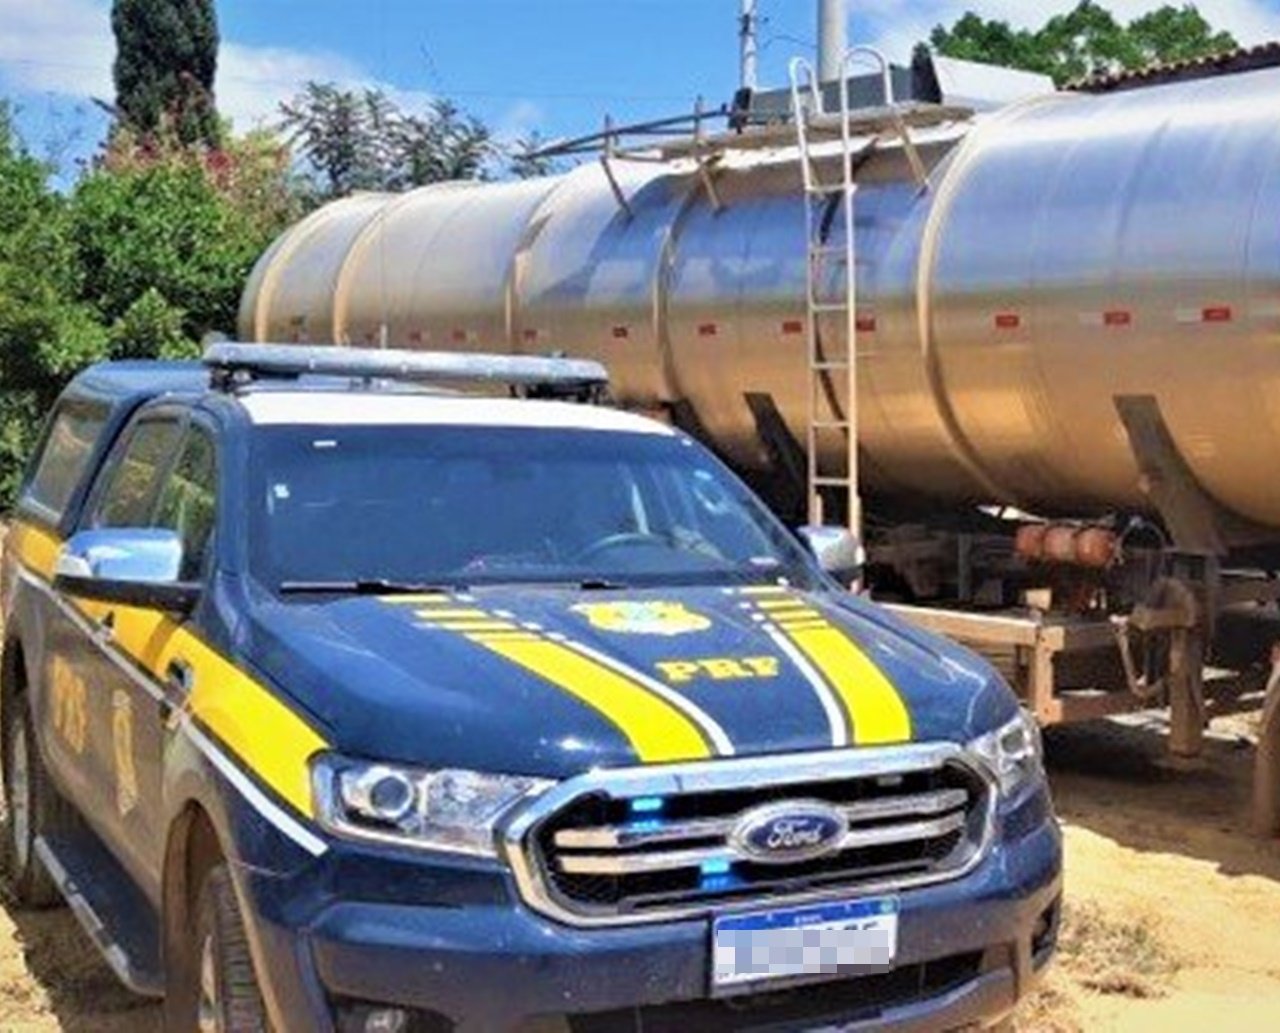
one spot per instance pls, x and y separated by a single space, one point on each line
871 701
657 730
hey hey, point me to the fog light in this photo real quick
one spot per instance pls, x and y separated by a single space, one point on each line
386 1020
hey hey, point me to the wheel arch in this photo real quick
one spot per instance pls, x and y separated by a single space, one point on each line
13 675
191 848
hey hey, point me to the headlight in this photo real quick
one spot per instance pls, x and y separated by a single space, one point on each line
1013 752
451 810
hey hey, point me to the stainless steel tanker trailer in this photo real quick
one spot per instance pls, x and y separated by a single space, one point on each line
1066 318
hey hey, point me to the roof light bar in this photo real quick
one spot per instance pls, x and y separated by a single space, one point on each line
233 363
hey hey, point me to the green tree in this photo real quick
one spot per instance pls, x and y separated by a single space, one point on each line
166 62
45 331
146 254
1088 40
444 144
524 160
362 140
166 236
1177 34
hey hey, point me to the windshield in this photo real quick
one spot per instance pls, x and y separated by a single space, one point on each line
474 505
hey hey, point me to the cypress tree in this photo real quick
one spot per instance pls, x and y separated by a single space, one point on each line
166 60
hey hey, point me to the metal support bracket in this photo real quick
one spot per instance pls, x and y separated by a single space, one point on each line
1197 522
606 163
705 173
1165 478
912 152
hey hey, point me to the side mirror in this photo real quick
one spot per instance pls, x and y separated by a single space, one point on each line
127 565
837 551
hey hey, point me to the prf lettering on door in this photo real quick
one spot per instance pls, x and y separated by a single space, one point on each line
70 698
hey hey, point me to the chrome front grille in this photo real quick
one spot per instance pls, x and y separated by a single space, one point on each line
589 853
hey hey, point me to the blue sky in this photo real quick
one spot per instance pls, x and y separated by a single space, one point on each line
553 65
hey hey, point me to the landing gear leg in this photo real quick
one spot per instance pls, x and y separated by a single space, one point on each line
1266 769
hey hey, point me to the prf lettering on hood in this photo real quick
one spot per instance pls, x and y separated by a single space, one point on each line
718 668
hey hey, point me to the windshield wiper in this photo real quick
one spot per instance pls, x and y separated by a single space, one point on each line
600 584
365 586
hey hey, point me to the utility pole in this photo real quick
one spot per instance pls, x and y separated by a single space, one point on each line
832 38
748 29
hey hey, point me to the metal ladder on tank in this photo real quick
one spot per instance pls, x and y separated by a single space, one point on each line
824 365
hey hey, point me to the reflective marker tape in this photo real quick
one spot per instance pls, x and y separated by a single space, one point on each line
1206 314
471 627
1112 318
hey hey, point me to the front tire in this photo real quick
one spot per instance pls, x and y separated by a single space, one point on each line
33 808
227 998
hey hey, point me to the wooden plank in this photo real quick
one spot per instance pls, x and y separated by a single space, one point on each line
973 628
1092 706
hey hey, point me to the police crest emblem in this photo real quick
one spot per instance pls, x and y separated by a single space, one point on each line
643 618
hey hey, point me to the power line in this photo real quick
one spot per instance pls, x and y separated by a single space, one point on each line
280 81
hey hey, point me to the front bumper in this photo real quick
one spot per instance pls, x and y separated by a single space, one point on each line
478 960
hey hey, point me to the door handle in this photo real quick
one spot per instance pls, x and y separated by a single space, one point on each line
179 677
106 630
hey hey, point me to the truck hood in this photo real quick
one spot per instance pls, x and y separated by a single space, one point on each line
553 682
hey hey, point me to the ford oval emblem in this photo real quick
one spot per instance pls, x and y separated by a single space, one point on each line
790 832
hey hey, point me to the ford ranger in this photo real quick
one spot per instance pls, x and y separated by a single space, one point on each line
338 699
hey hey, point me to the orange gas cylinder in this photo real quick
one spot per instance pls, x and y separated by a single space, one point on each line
1060 544
1029 541
1096 547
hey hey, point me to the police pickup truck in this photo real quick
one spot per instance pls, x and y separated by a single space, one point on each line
336 699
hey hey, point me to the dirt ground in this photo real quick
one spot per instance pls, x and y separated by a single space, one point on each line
1172 925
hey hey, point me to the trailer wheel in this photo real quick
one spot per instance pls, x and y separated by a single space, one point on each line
226 997
32 808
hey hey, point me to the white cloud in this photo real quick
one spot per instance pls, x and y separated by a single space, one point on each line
65 48
897 25
252 81
518 121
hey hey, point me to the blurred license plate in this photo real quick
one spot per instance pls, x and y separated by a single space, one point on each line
791 943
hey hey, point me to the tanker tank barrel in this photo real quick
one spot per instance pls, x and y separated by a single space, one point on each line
1000 313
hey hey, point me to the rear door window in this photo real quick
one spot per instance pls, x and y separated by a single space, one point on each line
64 456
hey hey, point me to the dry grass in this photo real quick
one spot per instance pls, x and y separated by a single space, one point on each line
1049 1010
1115 955
1102 953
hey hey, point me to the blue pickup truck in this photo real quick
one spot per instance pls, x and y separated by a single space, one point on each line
336 698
